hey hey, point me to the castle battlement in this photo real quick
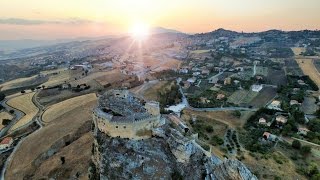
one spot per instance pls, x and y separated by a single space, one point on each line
121 114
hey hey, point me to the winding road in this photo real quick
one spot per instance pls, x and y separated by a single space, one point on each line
17 116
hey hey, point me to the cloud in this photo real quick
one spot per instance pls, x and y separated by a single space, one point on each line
18 21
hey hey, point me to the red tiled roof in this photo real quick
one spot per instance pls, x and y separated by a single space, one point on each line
267 134
6 140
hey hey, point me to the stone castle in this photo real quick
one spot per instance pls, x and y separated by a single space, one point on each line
121 114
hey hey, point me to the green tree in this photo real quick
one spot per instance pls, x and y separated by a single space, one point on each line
314 125
209 129
296 144
2 96
287 129
298 116
237 114
63 159
317 113
305 150
5 122
313 170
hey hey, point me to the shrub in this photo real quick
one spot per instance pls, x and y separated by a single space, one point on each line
63 160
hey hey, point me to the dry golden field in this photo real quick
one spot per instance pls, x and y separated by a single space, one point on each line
4 115
77 156
158 62
267 167
63 107
225 117
150 91
34 155
309 69
23 103
59 78
170 63
102 78
48 72
16 83
298 50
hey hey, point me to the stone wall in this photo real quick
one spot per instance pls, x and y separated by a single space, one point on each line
153 108
126 129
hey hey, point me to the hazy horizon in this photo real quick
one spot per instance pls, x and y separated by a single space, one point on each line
50 20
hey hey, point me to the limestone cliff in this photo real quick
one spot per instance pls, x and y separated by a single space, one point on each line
167 155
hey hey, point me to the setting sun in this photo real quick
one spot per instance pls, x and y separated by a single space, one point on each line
139 31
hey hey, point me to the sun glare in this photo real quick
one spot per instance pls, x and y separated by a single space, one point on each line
139 31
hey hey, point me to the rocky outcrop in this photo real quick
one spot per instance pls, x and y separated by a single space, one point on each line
231 169
168 155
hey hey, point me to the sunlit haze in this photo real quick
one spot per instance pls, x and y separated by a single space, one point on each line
139 30
49 19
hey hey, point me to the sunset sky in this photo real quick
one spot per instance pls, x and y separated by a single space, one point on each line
55 19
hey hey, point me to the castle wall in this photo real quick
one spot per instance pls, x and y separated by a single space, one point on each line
153 108
121 93
132 130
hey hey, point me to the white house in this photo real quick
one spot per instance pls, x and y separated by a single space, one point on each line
213 80
256 88
196 73
281 119
268 136
263 121
275 105
183 71
303 131
192 80
294 102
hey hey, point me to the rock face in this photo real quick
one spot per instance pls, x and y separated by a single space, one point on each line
231 169
167 155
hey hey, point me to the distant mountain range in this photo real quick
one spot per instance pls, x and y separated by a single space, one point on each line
161 30
11 45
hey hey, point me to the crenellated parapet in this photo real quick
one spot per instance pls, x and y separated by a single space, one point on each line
120 114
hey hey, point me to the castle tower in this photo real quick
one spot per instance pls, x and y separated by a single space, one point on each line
120 114
153 108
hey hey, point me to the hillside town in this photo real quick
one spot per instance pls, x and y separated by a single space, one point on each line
236 105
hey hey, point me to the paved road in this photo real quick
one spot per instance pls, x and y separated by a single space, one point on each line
269 85
36 118
223 109
42 109
145 86
17 116
220 73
